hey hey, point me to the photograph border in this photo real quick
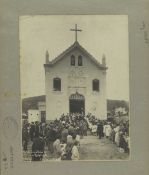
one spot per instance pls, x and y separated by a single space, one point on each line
10 86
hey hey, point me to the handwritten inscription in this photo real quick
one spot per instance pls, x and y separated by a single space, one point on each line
8 159
11 157
144 29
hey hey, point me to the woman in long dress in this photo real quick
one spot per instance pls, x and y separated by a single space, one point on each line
57 148
117 135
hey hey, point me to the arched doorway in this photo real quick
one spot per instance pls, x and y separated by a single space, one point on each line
77 103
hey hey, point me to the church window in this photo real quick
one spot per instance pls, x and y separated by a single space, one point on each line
57 84
80 60
72 60
95 85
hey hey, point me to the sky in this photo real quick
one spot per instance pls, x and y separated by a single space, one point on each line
101 34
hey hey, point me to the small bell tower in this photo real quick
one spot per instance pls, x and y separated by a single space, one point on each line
103 60
47 57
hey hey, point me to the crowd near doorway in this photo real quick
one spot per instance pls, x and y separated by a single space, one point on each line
77 103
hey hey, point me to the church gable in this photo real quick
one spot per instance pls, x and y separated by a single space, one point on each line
75 50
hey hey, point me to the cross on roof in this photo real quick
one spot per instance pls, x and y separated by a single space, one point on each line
76 30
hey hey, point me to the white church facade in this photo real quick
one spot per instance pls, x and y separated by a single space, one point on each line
75 82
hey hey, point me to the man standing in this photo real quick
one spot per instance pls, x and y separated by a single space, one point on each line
25 138
36 129
100 130
51 137
64 134
32 130
38 148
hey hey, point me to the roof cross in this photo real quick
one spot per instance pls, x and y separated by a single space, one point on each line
76 30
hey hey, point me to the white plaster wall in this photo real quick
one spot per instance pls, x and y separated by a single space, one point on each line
72 76
33 115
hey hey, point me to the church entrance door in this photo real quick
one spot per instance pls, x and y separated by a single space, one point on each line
77 103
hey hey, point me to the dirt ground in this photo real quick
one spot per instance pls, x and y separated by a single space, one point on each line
93 148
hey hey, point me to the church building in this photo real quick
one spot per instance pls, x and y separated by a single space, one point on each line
75 82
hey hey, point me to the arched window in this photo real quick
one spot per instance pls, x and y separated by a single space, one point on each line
56 84
80 63
95 85
72 60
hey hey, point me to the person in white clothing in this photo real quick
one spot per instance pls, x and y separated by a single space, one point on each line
117 135
69 139
107 130
94 129
75 152
57 148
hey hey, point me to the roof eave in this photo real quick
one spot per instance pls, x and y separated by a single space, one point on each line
48 65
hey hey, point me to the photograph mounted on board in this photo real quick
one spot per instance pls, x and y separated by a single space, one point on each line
74 73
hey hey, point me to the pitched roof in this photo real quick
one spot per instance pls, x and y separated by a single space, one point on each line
75 45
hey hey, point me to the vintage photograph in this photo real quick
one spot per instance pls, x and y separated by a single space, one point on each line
74 74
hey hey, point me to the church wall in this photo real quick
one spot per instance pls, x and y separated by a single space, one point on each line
56 102
75 78
41 107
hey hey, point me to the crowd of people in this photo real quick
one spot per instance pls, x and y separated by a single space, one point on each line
116 132
62 136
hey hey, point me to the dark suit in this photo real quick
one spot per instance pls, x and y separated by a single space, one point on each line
100 130
38 149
